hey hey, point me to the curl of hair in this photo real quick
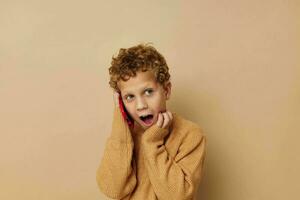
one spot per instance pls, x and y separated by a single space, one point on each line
142 57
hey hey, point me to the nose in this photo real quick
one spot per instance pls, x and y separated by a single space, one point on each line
141 104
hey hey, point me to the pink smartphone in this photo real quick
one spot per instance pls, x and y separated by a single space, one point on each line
125 113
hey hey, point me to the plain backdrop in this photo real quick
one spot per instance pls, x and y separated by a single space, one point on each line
234 68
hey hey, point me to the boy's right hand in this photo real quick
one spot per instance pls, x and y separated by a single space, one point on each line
116 98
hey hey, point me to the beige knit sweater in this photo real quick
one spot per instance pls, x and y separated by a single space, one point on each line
157 164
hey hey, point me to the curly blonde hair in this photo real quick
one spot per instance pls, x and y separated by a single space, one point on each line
142 57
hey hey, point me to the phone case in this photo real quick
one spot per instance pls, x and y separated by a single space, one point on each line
125 114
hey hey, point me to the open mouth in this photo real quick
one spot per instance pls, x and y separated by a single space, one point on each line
147 119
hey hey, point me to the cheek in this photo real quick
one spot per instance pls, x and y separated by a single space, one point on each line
129 108
159 103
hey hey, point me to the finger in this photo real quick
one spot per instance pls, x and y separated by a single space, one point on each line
166 120
159 120
116 98
170 115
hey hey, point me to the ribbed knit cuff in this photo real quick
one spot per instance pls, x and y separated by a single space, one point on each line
120 128
154 134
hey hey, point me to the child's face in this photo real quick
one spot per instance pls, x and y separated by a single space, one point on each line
142 95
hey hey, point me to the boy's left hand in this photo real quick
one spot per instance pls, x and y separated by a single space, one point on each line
164 119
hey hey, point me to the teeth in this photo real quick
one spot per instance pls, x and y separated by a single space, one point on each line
145 115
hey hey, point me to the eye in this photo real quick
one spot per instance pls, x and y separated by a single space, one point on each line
150 91
128 97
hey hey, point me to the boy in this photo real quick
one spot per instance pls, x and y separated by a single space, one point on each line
162 155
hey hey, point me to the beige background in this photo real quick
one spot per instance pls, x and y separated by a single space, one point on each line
235 71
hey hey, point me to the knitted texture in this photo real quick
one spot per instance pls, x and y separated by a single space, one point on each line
159 163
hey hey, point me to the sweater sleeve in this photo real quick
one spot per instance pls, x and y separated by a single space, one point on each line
115 175
178 177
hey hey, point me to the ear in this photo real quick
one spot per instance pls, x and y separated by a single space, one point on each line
167 89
